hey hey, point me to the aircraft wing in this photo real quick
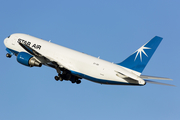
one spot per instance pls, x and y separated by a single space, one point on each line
44 59
153 77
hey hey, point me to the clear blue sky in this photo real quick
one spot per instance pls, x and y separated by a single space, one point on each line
110 29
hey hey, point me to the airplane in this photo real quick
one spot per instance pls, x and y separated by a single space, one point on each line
73 66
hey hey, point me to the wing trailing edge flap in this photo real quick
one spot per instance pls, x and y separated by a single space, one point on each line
43 59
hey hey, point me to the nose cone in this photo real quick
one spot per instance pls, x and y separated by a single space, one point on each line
5 41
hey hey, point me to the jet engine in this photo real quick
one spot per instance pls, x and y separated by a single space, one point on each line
27 60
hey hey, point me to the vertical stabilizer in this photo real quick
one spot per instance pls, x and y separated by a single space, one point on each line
139 59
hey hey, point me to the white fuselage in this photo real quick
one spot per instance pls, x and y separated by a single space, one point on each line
80 64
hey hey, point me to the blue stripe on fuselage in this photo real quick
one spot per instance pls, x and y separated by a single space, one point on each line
101 81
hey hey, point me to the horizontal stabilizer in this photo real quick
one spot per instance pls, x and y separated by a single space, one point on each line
153 82
153 77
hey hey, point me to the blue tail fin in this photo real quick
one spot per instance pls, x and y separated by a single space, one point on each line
139 59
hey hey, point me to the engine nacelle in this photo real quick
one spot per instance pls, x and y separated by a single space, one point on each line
27 60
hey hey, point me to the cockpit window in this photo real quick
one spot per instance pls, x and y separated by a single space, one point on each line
9 36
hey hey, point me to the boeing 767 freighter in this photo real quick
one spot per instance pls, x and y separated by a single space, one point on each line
72 65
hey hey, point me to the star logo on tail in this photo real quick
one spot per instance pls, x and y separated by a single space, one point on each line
140 51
